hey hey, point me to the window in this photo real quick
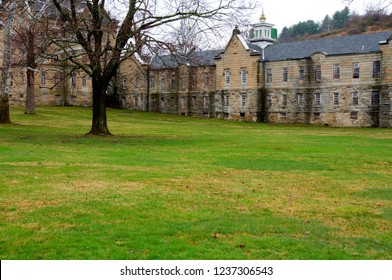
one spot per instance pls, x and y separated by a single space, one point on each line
206 80
318 73
194 101
227 78
73 80
184 80
269 75
336 98
183 102
56 80
163 83
376 69
285 75
355 98
136 100
354 115
173 81
243 100
269 101
336 71
300 98
84 81
301 73
136 83
284 100
43 79
356 70
152 81
317 99
226 100
243 78
375 98
205 102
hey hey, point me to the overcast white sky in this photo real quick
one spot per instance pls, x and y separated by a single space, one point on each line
288 12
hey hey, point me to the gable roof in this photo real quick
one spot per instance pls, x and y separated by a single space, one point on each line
355 44
170 61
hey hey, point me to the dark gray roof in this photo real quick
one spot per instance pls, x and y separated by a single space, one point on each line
202 58
355 44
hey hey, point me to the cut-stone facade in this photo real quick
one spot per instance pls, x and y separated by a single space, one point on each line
341 82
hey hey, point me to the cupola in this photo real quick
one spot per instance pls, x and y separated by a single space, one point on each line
263 33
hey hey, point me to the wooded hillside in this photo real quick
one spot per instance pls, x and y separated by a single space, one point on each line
339 24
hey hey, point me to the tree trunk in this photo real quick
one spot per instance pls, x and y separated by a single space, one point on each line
4 109
5 74
30 93
99 123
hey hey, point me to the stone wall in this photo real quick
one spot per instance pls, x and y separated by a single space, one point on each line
324 99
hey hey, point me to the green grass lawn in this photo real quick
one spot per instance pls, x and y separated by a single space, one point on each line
169 187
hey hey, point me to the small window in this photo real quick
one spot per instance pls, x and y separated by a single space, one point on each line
354 115
269 75
300 98
336 98
355 98
84 81
227 78
375 98
269 101
316 115
317 99
301 73
355 70
152 81
173 82
205 101
163 83
184 80
226 100
318 73
376 69
73 80
285 75
43 79
194 101
183 102
336 71
206 80
283 115
56 80
244 77
243 100
284 100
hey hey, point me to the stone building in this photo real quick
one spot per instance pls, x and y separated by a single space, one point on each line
342 81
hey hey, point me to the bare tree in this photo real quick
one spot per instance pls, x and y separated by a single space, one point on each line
108 42
29 37
9 8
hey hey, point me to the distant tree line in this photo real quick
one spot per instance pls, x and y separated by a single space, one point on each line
344 21
310 27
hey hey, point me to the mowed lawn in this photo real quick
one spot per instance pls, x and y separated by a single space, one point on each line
170 187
